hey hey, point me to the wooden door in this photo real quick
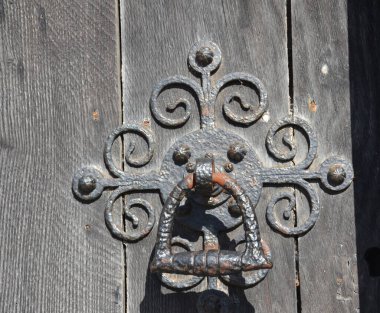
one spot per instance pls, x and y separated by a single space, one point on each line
72 71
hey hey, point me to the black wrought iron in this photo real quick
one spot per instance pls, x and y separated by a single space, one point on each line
211 261
228 191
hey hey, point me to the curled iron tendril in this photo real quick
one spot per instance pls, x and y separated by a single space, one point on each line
140 203
252 114
276 223
205 94
140 161
292 151
166 84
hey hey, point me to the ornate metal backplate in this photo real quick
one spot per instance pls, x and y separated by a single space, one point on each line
214 178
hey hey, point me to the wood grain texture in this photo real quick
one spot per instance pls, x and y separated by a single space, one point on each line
327 254
156 38
60 97
364 51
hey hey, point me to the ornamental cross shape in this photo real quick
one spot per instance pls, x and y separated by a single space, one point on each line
223 179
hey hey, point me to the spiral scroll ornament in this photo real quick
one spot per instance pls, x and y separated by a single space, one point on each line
205 58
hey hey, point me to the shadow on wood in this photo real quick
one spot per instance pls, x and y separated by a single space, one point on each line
181 302
364 51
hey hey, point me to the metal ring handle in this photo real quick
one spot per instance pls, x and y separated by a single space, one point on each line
210 262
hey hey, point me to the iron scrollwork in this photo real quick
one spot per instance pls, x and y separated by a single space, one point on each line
222 174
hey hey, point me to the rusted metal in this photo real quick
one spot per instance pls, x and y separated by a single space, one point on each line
223 179
208 262
228 167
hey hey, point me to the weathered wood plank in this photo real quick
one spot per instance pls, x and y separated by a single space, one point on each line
327 254
364 51
156 38
59 99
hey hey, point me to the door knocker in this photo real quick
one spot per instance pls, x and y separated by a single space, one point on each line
218 177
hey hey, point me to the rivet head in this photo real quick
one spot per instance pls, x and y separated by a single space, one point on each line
86 184
209 155
204 56
336 175
182 154
228 167
237 152
190 167
234 210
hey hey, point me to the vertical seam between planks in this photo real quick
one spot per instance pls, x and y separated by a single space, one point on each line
122 151
292 113
290 54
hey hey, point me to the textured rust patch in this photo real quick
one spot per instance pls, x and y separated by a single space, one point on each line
312 105
221 179
146 123
190 181
211 246
95 115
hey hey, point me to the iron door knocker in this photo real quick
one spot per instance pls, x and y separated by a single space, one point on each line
219 180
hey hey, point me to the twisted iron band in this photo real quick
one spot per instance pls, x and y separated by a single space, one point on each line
231 154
